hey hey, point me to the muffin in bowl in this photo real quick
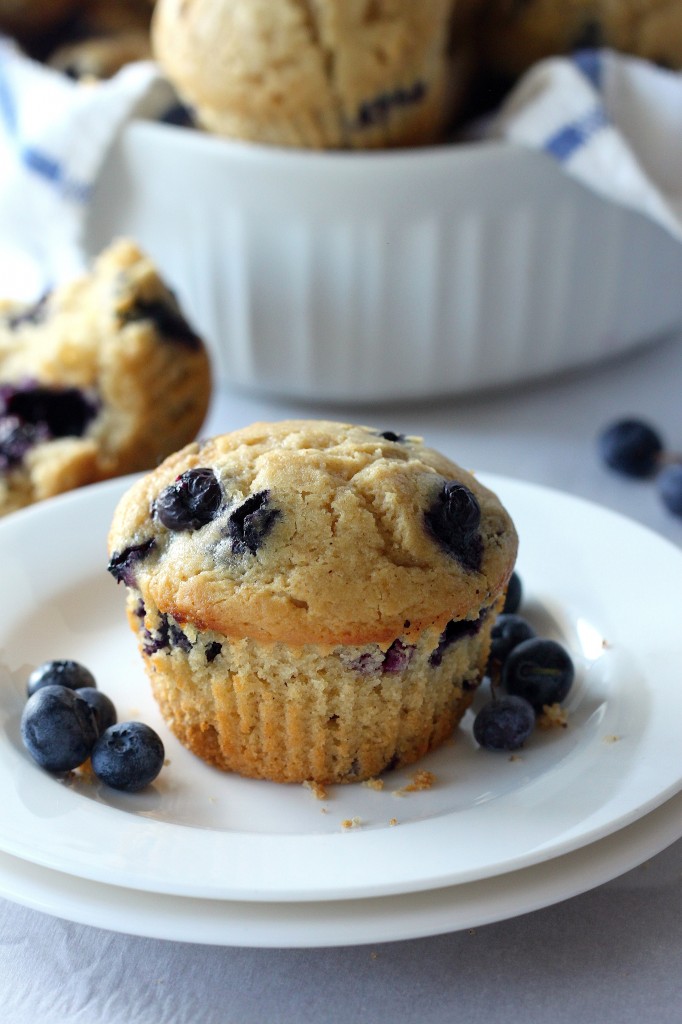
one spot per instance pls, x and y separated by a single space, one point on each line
313 601
326 74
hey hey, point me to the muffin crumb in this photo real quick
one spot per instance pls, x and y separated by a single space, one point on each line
376 784
553 717
349 823
420 780
316 788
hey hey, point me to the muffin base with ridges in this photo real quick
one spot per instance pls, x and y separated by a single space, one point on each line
313 713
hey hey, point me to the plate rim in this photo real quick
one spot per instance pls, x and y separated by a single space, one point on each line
343 923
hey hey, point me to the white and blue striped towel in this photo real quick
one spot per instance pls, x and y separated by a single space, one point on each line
54 136
613 122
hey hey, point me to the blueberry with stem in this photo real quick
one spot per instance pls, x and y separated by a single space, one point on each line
539 670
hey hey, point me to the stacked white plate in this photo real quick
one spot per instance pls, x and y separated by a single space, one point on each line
203 856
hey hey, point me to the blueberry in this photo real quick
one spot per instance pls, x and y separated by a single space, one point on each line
167 319
158 639
191 501
508 632
249 525
58 728
514 595
103 707
504 724
67 673
212 651
17 438
122 564
631 447
389 435
539 670
453 519
397 657
454 631
378 109
669 484
177 638
128 756
65 412
180 115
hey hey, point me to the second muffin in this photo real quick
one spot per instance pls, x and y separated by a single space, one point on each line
313 600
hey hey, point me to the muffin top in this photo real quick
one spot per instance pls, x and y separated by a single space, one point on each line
329 73
307 531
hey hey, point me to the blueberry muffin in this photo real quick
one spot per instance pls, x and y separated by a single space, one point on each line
101 377
313 601
320 74
514 35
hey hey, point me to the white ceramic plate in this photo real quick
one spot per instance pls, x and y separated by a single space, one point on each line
607 587
341 922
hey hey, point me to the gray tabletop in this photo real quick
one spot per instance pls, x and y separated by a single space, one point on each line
610 954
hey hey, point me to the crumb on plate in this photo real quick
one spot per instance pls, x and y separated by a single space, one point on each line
420 780
316 788
377 784
553 717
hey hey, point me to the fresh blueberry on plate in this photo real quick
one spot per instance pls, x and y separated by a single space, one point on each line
514 595
128 756
103 707
539 670
60 672
508 632
504 724
669 484
58 728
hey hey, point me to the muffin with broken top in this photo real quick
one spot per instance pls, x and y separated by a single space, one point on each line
102 376
313 601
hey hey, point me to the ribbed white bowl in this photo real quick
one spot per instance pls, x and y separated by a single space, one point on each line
375 276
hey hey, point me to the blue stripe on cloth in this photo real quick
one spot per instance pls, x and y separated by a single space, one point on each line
8 109
35 160
51 171
572 137
591 64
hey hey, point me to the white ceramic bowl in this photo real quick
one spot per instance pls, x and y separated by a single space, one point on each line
383 275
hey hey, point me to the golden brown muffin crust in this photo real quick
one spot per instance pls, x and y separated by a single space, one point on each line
348 557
